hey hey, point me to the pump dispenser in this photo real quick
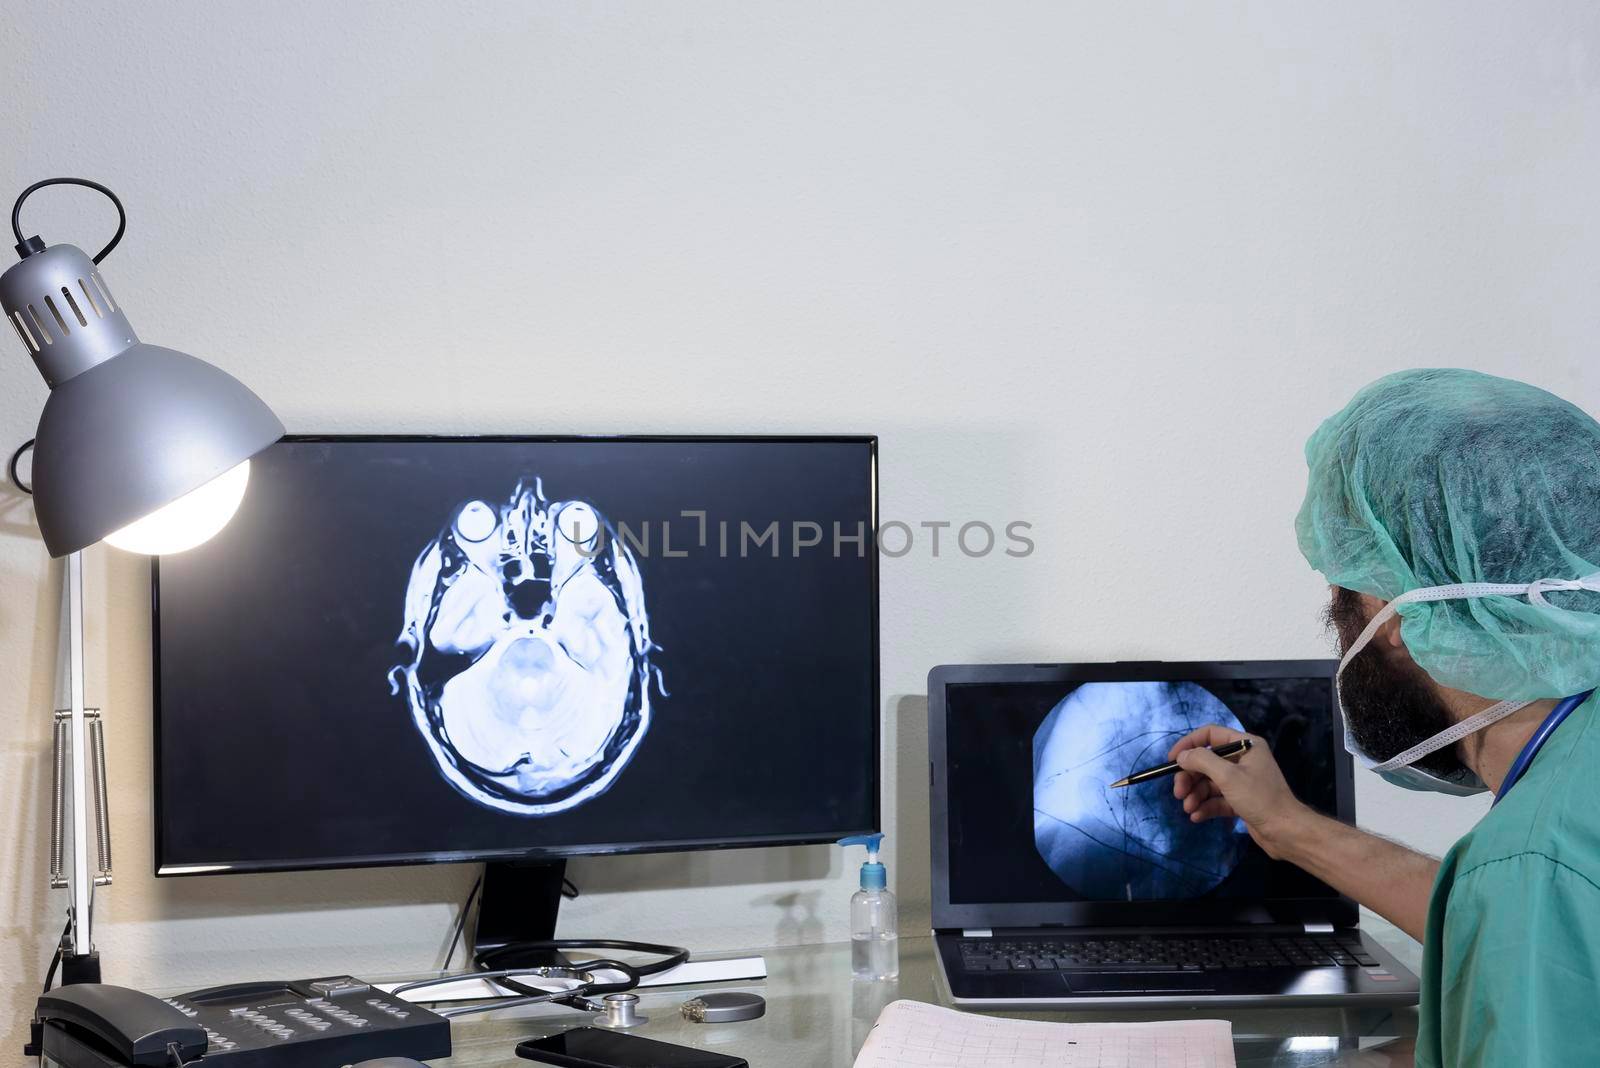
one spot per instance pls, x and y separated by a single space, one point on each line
874 918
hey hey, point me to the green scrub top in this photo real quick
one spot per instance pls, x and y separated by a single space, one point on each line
1511 961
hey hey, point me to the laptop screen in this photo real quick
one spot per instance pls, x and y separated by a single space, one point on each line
1032 817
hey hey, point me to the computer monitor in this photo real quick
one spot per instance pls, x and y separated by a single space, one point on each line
409 649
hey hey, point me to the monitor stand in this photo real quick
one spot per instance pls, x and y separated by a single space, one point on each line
518 903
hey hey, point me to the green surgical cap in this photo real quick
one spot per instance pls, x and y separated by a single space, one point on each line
1442 476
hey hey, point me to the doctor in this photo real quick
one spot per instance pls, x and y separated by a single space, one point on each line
1457 518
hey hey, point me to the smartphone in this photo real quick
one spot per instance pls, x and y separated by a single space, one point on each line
593 1047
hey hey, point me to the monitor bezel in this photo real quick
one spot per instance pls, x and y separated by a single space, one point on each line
165 869
1335 909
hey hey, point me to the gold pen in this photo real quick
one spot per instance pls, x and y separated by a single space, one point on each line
1227 750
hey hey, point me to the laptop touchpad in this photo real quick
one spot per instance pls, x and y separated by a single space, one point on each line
1131 983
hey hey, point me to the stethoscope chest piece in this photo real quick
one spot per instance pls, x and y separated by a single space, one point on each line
620 1011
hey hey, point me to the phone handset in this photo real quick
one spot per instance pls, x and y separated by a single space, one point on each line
132 1026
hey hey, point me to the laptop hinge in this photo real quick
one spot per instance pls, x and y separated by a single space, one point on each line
1319 928
977 932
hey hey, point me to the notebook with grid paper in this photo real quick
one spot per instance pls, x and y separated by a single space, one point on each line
910 1034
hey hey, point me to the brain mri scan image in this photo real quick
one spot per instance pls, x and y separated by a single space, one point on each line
527 645
1133 843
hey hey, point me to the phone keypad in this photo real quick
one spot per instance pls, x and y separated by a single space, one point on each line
188 1010
290 1025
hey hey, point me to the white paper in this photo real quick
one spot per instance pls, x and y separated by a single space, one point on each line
710 971
911 1034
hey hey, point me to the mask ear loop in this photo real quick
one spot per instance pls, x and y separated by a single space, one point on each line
1476 721
1533 591
1539 587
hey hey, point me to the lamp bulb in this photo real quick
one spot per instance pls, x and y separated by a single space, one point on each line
187 521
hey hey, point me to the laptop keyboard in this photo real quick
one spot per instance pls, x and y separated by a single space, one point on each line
1146 953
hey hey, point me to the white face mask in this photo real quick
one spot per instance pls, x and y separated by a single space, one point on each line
1397 769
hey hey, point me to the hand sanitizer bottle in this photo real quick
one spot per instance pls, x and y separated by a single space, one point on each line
874 931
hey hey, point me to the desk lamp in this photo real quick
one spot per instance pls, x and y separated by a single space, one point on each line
139 446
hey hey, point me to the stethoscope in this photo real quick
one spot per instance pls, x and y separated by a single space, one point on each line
1556 717
575 986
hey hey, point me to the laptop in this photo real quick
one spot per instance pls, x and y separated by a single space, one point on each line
1052 889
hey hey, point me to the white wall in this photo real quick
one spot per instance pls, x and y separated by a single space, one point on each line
1099 267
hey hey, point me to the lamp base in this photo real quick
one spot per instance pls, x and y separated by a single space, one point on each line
34 1047
75 968
80 967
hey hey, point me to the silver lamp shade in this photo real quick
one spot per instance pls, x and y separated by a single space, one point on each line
128 428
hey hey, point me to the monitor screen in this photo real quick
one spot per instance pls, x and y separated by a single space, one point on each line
1032 816
446 649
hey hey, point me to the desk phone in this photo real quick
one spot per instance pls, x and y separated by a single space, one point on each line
308 1023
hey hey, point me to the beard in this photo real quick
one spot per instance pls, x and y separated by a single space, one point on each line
1390 703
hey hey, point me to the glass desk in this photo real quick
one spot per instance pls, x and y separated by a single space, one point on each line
817 1016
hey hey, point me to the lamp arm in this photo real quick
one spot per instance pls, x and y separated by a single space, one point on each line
82 888
102 801
80 788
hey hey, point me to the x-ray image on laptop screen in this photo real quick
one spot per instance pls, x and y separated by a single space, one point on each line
1033 817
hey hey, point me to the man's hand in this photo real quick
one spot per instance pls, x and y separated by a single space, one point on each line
1385 876
1251 788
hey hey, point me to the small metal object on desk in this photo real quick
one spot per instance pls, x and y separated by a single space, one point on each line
621 1012
724 1008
